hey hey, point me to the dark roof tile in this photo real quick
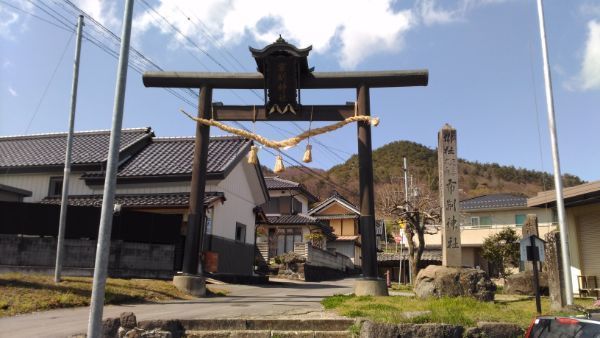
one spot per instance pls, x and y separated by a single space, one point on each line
494 201
162 200
174 156
89 147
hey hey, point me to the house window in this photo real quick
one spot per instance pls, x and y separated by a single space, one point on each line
55 186
475 221
520 220
485 221
240 232
286 238
272 206
208 223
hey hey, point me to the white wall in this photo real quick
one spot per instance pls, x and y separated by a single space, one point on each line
38 184
238 207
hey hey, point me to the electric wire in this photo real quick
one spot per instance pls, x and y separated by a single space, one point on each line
141 60
39 103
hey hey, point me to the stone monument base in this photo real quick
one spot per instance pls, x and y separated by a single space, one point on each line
370 287
440 281
191 284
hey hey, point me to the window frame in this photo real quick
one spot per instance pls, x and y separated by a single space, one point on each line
242 233
517 224
53 181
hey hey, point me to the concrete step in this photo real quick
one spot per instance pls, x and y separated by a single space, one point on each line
267 334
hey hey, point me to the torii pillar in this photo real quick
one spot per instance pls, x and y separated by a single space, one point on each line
283 71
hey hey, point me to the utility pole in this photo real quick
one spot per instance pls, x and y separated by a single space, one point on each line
560 206
67 171
407 207
106 215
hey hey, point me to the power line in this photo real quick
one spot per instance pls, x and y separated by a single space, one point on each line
140 60
39 104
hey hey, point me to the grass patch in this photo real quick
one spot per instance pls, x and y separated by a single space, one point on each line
23 293
401 287
457 311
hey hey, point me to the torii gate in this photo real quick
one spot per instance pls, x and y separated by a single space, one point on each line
282 72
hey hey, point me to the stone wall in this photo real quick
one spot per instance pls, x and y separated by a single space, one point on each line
127 259
319 257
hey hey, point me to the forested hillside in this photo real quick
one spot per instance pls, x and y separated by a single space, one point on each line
475 178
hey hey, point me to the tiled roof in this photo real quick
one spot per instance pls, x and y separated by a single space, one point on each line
336 197
346 238
89 147
292 220
174 156
493 202
340 216
276 183
162 200
428 255
300 219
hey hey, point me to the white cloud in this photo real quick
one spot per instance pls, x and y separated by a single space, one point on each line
590 67
431 13
360 28
102 11
12 91
351 29
9 20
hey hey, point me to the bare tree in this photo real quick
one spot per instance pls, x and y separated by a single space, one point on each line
420 213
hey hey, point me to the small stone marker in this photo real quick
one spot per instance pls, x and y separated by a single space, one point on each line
448 180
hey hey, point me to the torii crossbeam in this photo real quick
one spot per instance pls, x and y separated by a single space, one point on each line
283 72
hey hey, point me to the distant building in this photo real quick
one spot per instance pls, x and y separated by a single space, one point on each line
289 224
342 216
582 204
483 216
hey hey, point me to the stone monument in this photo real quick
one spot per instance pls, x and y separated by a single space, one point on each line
448 180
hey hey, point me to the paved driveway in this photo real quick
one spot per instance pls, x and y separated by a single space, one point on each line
279 299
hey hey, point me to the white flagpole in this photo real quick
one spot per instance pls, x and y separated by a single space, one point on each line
560 206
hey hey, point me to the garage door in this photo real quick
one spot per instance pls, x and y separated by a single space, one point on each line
589 233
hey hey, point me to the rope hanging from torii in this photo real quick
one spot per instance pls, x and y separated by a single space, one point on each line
287 143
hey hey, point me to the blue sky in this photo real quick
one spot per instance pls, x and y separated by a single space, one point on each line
483 57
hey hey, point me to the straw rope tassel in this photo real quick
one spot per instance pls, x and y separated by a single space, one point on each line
307 154
279 167
253 155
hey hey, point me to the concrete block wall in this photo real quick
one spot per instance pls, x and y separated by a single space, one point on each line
319 257
127 259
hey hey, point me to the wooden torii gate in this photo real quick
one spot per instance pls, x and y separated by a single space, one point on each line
282 72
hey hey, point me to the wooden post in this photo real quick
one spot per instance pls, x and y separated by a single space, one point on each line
365 173
530 227
195 227
448 168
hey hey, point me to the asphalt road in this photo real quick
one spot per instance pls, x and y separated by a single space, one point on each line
279 299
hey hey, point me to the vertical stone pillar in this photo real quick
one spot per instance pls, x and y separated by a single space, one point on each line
553 267
530 227
448 186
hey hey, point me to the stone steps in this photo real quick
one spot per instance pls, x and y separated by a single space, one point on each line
128 326
267 334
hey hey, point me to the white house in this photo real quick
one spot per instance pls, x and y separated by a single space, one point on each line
154 176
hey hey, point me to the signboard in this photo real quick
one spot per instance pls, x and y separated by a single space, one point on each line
531 252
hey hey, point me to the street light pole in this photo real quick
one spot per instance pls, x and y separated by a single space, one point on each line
560 206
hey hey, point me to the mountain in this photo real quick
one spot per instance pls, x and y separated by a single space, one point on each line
474 178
